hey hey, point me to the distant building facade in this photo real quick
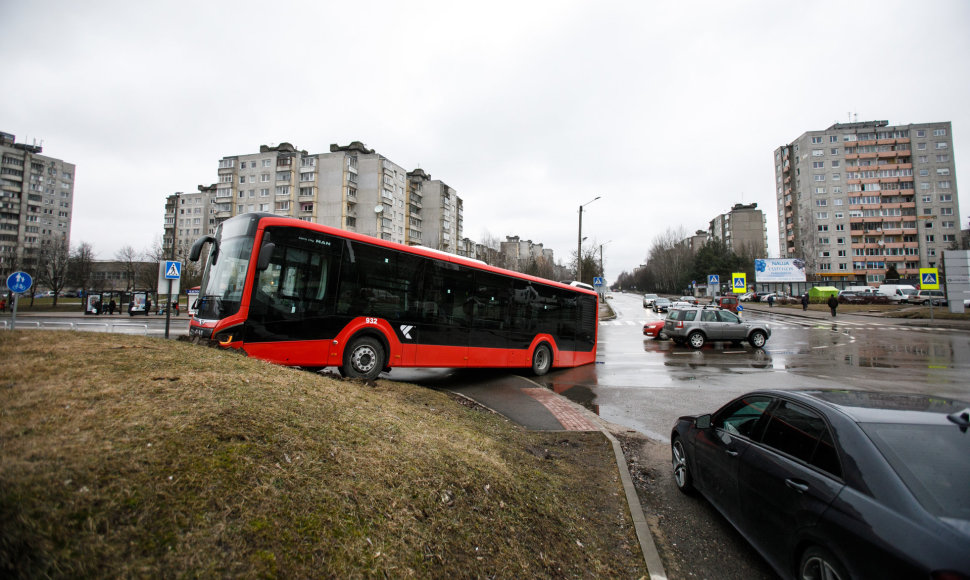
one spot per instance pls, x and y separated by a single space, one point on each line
743 230
351 188
858 198
36 203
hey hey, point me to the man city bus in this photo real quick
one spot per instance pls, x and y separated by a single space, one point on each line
303 294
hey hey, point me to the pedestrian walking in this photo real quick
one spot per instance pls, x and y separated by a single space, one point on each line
3 304
111 306
771 300
805 301
833 303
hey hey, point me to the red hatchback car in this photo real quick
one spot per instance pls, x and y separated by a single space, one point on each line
654 329
728 302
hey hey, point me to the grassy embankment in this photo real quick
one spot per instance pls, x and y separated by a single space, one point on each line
126 456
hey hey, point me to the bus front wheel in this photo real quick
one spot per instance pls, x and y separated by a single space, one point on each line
364 359
541 360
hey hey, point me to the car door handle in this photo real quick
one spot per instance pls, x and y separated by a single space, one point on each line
731 452
797 486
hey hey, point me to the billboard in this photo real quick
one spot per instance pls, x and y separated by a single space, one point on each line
779 270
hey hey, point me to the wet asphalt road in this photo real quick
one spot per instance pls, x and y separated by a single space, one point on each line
646 384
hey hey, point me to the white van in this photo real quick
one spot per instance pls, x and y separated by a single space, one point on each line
897 292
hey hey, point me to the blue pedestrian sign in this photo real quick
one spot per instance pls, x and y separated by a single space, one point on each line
173 270
19 282
739 282
597 281
713 279
929 279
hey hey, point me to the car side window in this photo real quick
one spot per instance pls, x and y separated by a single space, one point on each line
803 434
741 417
689 315
708 316
727 317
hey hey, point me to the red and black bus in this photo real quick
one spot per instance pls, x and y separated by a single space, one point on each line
302 294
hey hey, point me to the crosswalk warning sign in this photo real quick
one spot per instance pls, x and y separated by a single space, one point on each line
929 279
739 282
173 270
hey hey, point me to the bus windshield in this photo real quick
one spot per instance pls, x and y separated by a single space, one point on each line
225 278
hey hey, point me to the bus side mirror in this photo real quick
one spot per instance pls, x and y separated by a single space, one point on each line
265 255
196 250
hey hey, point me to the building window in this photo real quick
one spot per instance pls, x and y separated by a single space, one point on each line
822 215
943 184
946 197
816 139
835 163
930 238
823 228
921 146
835 151
264 192
819 178
946 211
941 159
941 145
817 153
939 132
833 138
282 190
823 241
943 171
264 177
818 164
820 191
921 132
947 225
949 238
836 176
839 215
924 172
822 202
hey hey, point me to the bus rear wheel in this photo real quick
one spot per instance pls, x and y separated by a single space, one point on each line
364 358
541 360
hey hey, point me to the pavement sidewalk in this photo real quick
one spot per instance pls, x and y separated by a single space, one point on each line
821 312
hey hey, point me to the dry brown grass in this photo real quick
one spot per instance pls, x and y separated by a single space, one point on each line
137 457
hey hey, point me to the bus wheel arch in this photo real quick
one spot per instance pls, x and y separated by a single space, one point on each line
542 359
365 356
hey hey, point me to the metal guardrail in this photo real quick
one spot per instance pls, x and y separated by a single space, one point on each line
109 327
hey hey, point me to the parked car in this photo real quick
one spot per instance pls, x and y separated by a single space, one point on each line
661 304
837 484
749 297
925 297
648 300
655 330
854 297
687 299
698 325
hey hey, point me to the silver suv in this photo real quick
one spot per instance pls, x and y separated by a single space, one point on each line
696 325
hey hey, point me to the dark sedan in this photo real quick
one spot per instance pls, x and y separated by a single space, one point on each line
837 484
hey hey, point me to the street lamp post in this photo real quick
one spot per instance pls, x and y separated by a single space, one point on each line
579 242
602 268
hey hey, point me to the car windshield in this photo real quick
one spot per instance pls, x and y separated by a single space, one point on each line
932 460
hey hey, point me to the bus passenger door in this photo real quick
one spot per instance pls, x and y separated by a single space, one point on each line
445 315
488 339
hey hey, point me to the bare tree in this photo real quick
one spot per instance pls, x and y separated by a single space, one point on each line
82 266
54 260
129 259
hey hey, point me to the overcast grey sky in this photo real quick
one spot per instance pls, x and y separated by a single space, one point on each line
669 111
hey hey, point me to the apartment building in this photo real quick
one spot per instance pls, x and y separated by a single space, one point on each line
859 198
36 203
188 216
350 187
743 230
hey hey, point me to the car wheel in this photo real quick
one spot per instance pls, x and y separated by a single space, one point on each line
757 339
541 360
819 564
661 336
678 460
364 359
696 339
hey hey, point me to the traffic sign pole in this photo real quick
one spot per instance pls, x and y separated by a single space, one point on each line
18 283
